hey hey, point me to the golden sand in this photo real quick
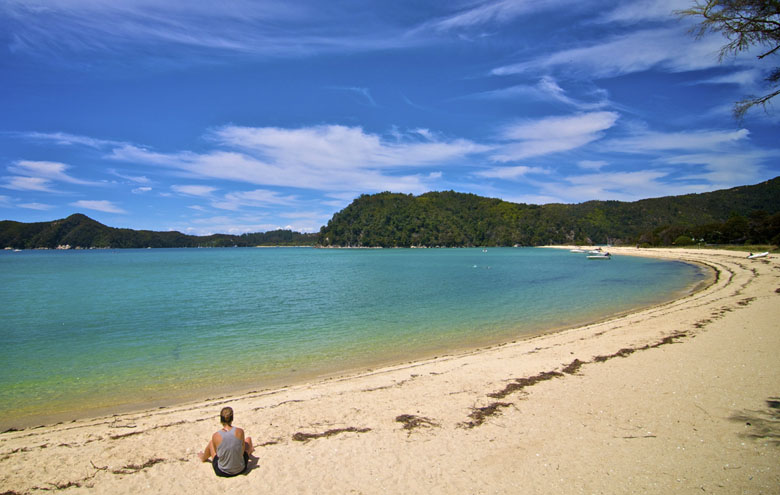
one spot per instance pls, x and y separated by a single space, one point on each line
679 398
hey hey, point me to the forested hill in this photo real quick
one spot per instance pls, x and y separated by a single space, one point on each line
80 231
738 215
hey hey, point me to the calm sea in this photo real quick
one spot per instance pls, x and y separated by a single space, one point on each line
98 331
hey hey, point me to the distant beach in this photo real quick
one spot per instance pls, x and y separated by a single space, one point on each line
680 397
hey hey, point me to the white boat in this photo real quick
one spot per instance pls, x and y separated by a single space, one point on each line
758 255
578 250
600 256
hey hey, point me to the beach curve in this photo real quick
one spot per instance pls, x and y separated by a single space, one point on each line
681 396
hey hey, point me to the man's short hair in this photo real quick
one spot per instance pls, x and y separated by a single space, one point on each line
226 415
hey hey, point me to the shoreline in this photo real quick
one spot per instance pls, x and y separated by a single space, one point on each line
568 411
355 367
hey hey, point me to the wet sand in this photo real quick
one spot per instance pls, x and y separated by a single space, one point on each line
683 397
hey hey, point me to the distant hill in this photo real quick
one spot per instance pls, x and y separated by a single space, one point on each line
731 216
738 215
80 231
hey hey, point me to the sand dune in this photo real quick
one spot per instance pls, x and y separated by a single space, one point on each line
683 397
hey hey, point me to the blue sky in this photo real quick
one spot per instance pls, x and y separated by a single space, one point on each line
246 116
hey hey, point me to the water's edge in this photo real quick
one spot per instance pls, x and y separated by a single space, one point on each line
294 379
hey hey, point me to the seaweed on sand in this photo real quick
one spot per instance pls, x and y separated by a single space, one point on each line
521 383
305 437
134 468
480 414
573 367
410 422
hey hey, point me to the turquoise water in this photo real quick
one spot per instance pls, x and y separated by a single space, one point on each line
85 330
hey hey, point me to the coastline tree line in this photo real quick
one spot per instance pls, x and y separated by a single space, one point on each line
745 214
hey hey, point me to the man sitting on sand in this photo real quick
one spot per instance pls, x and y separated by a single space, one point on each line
228 447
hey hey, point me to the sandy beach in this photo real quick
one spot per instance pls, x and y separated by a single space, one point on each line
679 398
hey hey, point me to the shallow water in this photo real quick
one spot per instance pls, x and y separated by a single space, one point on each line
101 330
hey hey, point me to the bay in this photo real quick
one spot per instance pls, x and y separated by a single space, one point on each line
100 331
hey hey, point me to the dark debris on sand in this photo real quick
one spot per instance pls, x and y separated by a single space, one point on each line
480 414
305 437
410 422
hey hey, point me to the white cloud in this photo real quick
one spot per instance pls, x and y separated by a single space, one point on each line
620 186
192 30
748 78
257 198
141 190
725 169
337 146
5 201
721 159
553 135
328 157
512 173
592 164
28 184
194 190
648 142
493 12
645 10
233 224
99 205
66 139
36 206
46 170
137 179
547 89
672 49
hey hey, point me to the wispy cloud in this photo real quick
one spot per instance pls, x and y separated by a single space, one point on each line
363 94
725 169
665 141
619 186
718 158
40 176
193 29
546 89
638 11
592 164
628 53
233 224
747 78
480 14
327 157
552 135
257 198
99 205
50 171
510 173
37 206
28 184
194 190
67 139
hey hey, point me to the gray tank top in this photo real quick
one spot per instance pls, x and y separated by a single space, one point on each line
230 452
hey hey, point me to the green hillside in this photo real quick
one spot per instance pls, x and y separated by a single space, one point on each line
83 232
738 215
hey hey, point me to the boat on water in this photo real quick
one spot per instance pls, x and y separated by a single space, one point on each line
758 255
600 256
577 250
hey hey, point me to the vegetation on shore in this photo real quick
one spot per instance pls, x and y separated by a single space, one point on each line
80 231
741 215
746 214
